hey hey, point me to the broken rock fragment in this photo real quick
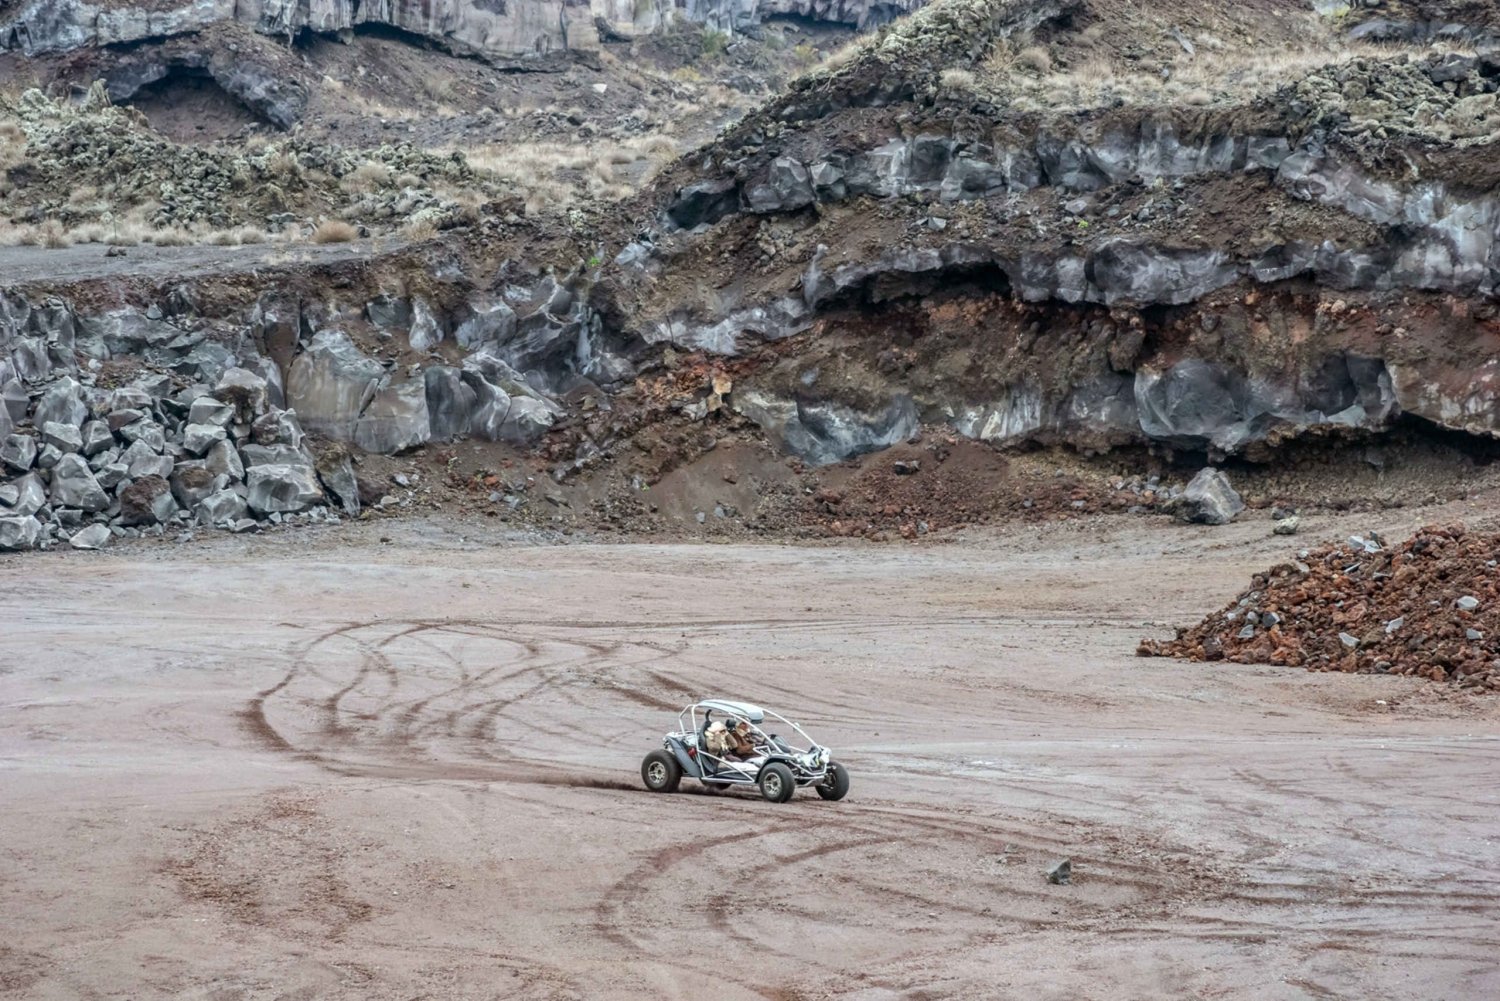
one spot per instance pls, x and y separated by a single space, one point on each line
282 489
1208 500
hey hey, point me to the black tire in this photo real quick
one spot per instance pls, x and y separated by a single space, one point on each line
776 782
661 772
835 785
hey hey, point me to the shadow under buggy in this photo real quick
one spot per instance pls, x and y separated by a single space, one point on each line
725 745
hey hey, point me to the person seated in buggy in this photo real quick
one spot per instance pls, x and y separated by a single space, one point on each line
736 742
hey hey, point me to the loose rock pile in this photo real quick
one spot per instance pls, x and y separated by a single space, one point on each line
1444 97
110 152
99 464
1429 607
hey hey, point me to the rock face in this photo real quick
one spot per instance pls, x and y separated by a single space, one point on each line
1130 310
532 33
395 420
331 383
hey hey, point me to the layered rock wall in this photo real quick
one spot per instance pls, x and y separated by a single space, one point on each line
509 31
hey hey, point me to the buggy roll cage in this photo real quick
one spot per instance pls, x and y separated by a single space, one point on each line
734 712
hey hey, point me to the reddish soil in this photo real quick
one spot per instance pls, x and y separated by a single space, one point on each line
1429 607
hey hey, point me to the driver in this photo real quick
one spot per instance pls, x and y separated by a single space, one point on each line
742 742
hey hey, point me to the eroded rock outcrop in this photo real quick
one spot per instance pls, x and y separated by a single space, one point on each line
517 33
1095 278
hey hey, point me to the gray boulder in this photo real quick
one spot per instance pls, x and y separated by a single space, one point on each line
246 394
112 475
130 398
1208 500
491 405
224 507
65 438
336 471
31 495
395 420
147 501
48 456
282 489
99 460
207 410
119 419
331 383
825 431
140 461
9 494
19 533
96 438
274 455
224 460
62 403
278 427
73 485
14 400
148 433
18 452
199 438
192 483
527 420
92 537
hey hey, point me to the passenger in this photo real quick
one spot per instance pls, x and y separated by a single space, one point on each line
716 739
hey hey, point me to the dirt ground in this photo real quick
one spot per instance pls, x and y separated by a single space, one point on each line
325 765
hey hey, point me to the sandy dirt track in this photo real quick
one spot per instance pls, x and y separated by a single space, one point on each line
323 767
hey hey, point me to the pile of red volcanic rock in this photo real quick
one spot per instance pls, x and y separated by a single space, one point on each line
1429 607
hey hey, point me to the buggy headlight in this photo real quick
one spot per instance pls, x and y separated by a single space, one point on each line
825 756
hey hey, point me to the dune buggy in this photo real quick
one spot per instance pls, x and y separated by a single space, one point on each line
775 763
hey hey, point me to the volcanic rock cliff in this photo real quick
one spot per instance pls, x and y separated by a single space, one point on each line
1219 274
518 30
1021 221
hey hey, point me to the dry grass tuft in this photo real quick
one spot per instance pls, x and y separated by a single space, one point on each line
956 79
419 230
334 231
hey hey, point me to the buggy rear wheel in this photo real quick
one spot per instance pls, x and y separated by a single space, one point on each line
776 782
835 784
661 772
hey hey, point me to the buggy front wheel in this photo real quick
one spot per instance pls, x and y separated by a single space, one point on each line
661 772
776 782
835 784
